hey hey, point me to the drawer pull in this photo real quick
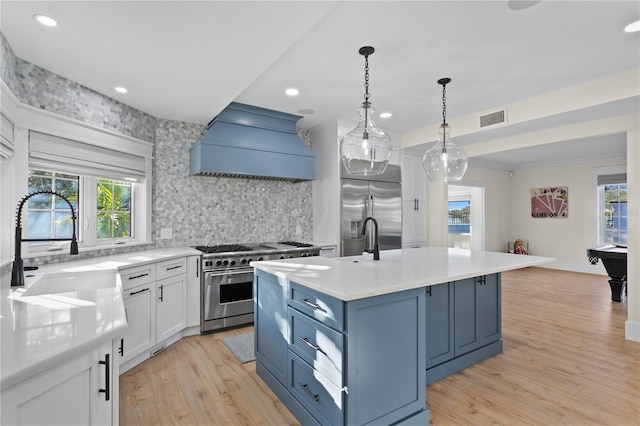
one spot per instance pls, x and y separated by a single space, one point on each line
306 389
312 305
173 267
139 276
311 345
138 292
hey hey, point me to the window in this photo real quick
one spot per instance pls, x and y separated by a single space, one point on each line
49 216
113 209
614 213
612 208
104 205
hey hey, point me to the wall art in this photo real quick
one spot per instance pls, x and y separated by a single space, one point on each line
551 202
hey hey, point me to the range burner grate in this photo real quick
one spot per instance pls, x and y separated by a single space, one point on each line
223 248
295 244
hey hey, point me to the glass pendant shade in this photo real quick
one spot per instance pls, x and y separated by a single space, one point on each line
445 162
365 150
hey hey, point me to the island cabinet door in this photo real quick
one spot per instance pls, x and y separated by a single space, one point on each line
489 309
439 324
270 323
386 359
465 316
477 312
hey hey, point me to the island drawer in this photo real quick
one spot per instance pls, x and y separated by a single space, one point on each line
326 309
317 344
171 268
316 393
138 275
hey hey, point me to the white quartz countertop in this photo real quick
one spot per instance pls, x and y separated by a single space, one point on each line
79 307
357 277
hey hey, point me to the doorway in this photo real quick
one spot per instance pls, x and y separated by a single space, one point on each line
466 217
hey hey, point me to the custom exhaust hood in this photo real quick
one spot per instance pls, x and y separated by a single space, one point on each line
251 142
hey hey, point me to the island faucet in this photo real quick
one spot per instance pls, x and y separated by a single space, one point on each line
376 248
17 273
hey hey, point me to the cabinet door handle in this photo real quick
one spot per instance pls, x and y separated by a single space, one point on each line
139 276
312 305
121 349
107 388
138 292
197 268
306 389
311 345
173 267
415 204
429 291
161 293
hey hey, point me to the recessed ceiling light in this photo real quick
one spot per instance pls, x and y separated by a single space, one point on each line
305 111
292 92
633 27
121 89
385 114
45 20
521 4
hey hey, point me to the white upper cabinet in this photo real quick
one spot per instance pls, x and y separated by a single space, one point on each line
414 205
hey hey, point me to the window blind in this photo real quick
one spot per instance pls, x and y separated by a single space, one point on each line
6 138
612 179
54 153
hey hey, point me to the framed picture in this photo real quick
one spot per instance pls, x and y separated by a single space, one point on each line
552 202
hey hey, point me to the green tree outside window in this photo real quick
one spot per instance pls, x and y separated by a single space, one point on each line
113 209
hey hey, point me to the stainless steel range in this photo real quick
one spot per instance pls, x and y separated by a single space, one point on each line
227 279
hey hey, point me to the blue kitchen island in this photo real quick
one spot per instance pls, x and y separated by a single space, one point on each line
353 341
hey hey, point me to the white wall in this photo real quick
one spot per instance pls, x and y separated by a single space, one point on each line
497 206
565 239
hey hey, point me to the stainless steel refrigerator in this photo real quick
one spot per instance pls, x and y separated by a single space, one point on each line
377 196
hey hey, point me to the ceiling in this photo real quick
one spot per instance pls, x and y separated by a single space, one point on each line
186 60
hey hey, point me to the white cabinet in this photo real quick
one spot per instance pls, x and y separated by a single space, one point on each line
78 392
156 308
328 251
171 315
414 207
140 306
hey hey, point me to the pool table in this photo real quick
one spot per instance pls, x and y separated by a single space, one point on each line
614 259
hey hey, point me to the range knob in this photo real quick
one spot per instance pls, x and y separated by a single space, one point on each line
225 262
249 260
218 262
290 256
260 258
282 256
243 261
233 262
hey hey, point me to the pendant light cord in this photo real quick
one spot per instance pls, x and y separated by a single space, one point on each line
366 103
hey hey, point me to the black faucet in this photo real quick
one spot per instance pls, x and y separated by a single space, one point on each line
376 248
17 273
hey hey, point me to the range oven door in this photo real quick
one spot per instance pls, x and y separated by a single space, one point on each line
227 298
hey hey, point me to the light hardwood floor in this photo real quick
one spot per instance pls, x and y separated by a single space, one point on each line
565 361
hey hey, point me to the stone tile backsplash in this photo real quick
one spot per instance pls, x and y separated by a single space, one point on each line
200 210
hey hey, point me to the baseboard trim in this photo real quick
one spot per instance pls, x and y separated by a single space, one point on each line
632 330
584 268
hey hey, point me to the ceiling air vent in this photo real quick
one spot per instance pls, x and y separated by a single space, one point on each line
493 118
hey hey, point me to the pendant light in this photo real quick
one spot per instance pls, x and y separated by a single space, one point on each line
445 162
365 150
